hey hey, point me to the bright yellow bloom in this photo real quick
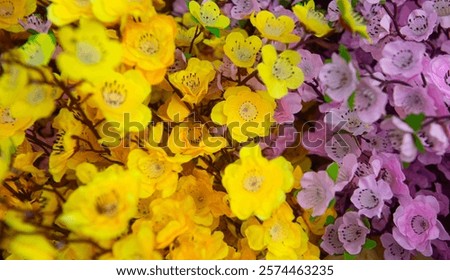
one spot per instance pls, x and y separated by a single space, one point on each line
256 185
120 98
317 224
24 162
14 78
173 109
352 19
247 114
313 20
185 36
242 51
103 208
193 82
139 245
149 46
13 10
171 218
88 51
114 11
273 28
38 50
283 238
6 150
200 244
193 139
280 72
158 171
208 14
31 247
13 126
62 12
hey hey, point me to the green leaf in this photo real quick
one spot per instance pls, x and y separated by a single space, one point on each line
187 55
242 23
327 99
415 121
351 100
330 220
370 244
312 219
406 165
354 3
332 203
333 171
328 60
32 31
419 144
215 31
285 3
343 52
348 256
366 222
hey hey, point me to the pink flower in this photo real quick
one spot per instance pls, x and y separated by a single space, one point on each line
352 233
413 100
436 139
402 58
287 107
439 72
393 251
243 8
442 8
420 25
346 171
330 239
310 64
416 224
338 78
400 135
391 172
370 196
341 145
316 193
370 101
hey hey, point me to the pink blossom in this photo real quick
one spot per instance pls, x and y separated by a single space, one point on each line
402 58
317 192
352 232
370 196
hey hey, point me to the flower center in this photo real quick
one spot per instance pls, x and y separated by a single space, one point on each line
413 103
283 68
277 232
151 168
351 233
253 182
194 135
6 117
442 7
58 146
403 59
368 199
108 204
367 98
36 95
82 3
209 17
87 53
114 94
418 24
6 9
191 81
248 111
336 78
274 27
419 224
148 44
243 51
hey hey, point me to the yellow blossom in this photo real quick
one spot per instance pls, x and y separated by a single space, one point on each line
256 185
158 171
149 46
242 51
38 50
173 109
13 10
87 51
352 19
12 126
24 162
191 140
193 82
280 72
185 36
317 224
275 28
283 238
62 12
200 244
114 11
31 247
208 14
313 20
102 208
247 114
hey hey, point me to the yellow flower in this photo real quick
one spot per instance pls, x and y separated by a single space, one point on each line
24 162
200 244
38 50
247 114
120 98
62 12
139 245
14 77
283 238
13 10
313 20
273 28
88 51
13 126
185 36
193 139
149 46
114 11
242 51
194 80
171 218
256 185
31 247
280 72
64 146
208 14
158 171
352 20
173 109
317 224
6 150
103 208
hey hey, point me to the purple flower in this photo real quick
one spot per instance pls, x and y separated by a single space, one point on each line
391 172
435 138
310 64
412 100
341 145
338 78
392 250
316 193
285 137
439 72
402 58
243 8
370 196
343 118
416 224
381 222
420 25
287 107
36 23
333 13
315 138
400 135
378 21
370 101
346 171
443 200
442 8
352 233
330 239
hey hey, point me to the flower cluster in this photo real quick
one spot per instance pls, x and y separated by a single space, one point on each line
209 129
